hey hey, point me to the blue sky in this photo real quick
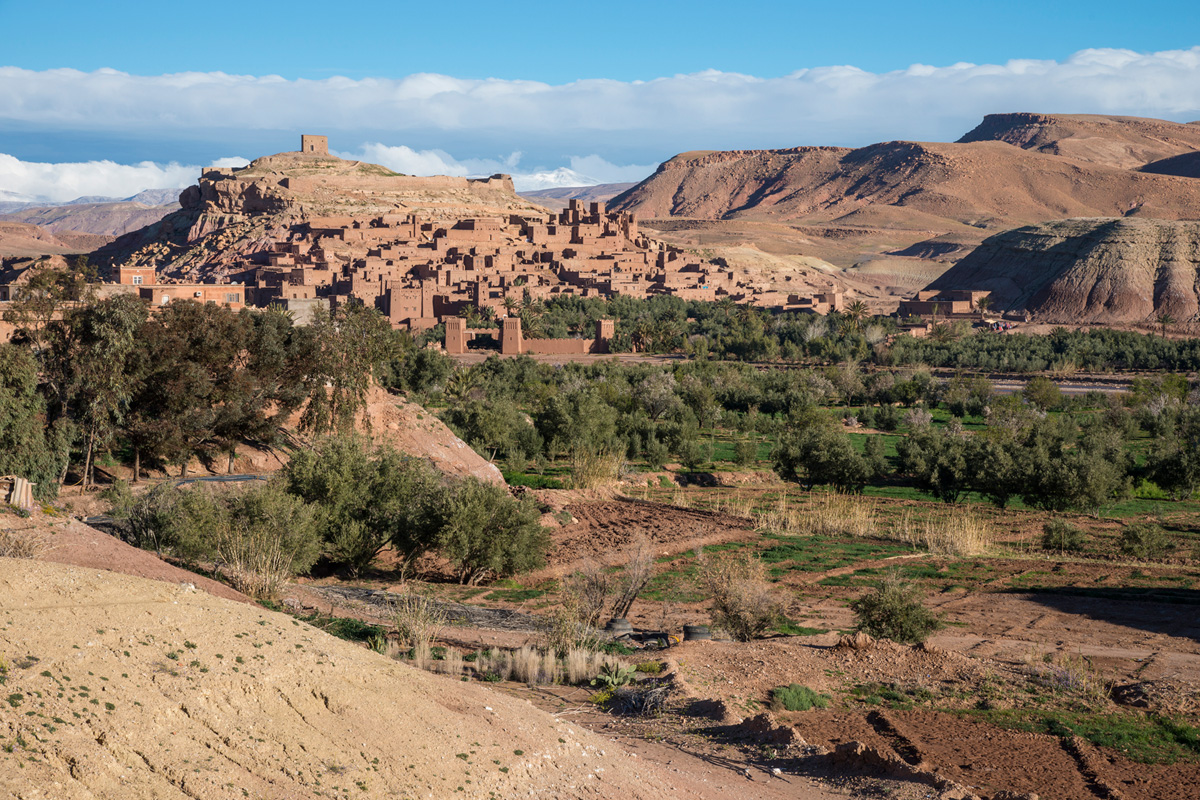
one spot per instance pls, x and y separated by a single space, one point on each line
559 42
604 90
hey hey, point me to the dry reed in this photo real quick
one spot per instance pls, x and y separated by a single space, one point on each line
957 531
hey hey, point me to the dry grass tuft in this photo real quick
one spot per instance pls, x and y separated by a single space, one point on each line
593 470
22 543
452 663
527 665
418 620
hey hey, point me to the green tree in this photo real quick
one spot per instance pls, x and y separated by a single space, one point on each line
817 454
93 353
351 345
1175 463
28 447
937 462
368 499
1043 393
489 534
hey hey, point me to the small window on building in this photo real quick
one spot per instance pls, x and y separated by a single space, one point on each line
231 298
137 280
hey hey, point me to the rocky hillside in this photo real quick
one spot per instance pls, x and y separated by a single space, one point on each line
119 686
232 213
899 209
1089 270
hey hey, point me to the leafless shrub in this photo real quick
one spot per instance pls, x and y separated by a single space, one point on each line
744 603
639 569
587 591
918 418
21 543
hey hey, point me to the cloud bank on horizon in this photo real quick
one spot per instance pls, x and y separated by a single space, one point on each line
587 131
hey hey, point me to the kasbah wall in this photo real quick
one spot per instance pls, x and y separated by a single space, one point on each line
513 343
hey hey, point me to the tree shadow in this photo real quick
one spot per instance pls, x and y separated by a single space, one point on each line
1169 611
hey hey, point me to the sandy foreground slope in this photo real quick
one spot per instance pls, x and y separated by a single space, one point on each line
122 687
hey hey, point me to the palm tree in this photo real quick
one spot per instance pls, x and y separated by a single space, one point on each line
856 312
725 306
510 304
1165 319
983 304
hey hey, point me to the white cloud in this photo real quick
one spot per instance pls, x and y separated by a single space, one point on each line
583 170
413 124
67 181
23 181
646 120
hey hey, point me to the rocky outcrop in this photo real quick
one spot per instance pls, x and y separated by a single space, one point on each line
233 214
1089 270
1118 142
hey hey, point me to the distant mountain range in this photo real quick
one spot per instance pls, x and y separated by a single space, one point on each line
105 216
558 197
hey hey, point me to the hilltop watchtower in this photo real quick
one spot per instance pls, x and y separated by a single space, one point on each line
314 145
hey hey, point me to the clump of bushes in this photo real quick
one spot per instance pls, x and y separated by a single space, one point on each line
257 538
744 603
346 502
894 611
795 697
1063 537
1144 540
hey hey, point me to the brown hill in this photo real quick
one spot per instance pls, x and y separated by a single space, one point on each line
1120 142
903 186
26 240
236 212
1186 165
109 219
137 688
895 214
1089 270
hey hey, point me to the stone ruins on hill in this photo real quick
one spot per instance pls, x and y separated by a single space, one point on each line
305 229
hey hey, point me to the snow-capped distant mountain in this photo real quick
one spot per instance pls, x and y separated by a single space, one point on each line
535 181
156 197
14 201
